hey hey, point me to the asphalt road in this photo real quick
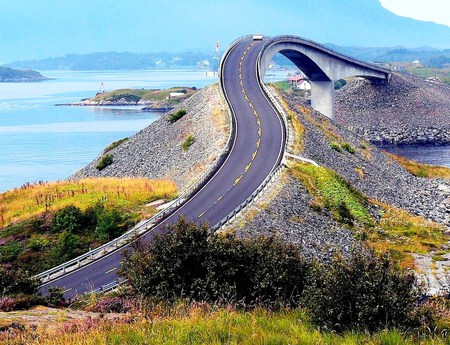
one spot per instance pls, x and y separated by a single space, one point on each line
257 150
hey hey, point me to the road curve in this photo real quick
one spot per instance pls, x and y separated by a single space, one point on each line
257 149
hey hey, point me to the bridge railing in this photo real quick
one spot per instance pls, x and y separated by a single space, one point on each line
325 49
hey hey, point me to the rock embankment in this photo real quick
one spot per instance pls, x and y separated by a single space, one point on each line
407 111
157 151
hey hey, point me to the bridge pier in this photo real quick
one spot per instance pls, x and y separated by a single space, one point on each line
322 97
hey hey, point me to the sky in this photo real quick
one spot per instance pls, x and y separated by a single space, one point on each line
36 29
437 11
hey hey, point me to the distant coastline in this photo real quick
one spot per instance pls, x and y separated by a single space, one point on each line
10 75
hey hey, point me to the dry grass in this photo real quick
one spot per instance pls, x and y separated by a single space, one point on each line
421 170
401 233
204 324
32 200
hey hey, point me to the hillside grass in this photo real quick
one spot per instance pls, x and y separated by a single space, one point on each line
203 324
32 200
420 169
396 231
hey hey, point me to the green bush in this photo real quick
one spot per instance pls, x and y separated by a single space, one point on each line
188 262
365 292
336 147
104 161
15 281
67 246
187 143
173 117
114 144
347 147
69 219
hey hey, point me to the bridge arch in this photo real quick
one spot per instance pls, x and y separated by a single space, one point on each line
321 65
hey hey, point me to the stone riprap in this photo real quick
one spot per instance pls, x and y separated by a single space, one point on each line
407 111
156 152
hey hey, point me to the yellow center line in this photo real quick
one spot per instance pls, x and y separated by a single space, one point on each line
238 180
248 167
258 143
254 154
259 131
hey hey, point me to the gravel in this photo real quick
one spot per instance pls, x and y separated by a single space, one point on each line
156 151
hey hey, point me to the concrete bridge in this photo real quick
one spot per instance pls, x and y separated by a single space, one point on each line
321 65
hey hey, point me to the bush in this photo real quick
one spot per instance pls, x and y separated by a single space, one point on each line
188 262
14 281
173 117
365 292
187 143
69 219
336 147
104 161
347 147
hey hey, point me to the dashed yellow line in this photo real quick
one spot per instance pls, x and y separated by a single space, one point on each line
237 180
248 167
259 131
254 154
258 121
258 143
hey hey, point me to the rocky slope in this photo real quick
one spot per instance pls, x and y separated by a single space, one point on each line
406 111
157 152
10 75
290 212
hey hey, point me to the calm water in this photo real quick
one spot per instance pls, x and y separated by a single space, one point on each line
41 142
436 155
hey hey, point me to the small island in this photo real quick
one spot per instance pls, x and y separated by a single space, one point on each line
11 75
150 99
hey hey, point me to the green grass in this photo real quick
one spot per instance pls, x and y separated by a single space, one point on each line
202 324
104 161
333 192
174 117
187 143
114 144
421 170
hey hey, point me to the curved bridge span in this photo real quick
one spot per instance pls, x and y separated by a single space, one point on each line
321 65
254 156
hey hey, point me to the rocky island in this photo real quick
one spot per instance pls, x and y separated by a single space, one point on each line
10 75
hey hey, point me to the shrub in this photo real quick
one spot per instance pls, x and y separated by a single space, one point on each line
347 147
14 281
55 296
7 303
187 143
114 144
364 292
188 262
173 117
67 246
336 147
104 161
69 219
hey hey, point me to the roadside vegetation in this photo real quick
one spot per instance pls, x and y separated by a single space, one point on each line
191 286
188 142
45 224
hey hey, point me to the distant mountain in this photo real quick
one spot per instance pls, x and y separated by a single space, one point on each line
36 29
119 61
9 75
427 56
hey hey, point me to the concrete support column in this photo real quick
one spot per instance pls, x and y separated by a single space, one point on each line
322 97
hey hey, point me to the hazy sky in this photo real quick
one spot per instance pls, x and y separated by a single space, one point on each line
34 29
437 11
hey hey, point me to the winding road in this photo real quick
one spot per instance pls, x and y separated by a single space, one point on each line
257 150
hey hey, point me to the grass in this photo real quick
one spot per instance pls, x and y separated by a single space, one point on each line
187 143
330 190
421 170
426 72
173 117
203 324
114 144
397 231
32 200
104 161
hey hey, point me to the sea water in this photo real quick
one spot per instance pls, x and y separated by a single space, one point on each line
42 142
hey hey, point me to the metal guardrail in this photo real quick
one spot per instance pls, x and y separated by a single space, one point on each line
149 224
